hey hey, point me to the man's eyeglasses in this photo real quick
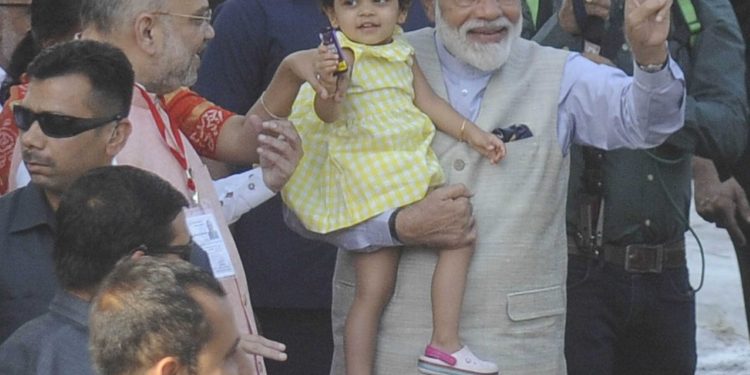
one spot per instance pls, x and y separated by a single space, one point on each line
205 18
468 3
59 126
182 251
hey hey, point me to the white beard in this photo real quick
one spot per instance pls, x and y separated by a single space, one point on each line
486 57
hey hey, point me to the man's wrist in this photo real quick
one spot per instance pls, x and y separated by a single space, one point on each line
652 68
654 56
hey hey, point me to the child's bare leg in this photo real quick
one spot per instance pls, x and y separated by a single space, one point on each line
376 277
448 284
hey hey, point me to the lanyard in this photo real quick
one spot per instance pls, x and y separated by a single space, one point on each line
179 152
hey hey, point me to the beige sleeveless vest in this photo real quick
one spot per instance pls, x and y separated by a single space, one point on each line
514 306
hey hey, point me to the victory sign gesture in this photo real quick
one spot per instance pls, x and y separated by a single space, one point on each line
646 29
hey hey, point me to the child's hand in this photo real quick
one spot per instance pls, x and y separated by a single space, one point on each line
335 85
325 68
486 144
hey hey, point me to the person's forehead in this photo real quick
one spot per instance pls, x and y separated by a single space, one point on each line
67 94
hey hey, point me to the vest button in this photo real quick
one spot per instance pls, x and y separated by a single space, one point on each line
458 164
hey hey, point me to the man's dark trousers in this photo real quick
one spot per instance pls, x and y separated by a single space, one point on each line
628 323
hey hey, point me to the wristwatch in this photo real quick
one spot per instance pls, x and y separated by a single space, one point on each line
652 68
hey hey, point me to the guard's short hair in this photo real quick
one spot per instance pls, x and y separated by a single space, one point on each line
145 311
107 213
106 67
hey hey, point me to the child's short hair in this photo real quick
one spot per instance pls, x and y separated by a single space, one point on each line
402 4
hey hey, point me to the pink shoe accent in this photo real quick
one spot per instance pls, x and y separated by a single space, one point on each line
433 352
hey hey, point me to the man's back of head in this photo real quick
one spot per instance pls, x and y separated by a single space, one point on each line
105 215
152 315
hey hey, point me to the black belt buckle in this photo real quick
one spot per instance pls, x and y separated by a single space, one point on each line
644 258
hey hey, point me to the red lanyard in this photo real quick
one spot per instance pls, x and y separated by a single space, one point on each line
179 152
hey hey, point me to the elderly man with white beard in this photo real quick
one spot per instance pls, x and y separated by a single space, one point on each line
514 306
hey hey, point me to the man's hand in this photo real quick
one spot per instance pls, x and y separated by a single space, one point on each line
442 219
259 345
722 203
279 149
567 19
647 28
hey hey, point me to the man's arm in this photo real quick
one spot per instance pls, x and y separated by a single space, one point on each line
715 107
222 135
640 112
442 219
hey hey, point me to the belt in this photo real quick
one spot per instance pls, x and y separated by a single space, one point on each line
636 258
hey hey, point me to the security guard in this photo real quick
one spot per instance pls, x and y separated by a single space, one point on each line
631 308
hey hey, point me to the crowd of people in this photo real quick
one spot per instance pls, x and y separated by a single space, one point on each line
452 187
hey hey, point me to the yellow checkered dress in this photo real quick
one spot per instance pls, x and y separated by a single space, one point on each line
376 157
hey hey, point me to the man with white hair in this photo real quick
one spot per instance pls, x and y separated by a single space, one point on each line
514 307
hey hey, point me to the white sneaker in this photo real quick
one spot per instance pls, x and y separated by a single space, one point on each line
462 362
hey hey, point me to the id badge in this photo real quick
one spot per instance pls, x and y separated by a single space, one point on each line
205 231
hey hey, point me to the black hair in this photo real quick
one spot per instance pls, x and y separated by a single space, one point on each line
402 4
52 21
107 68
145 311
107 213
24 52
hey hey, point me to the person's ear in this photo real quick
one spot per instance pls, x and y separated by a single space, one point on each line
137 254
147 32
165 366
119 137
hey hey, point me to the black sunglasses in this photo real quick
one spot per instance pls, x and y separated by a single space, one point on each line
58 126
182 251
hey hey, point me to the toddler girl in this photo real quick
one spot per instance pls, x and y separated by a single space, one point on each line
367 150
